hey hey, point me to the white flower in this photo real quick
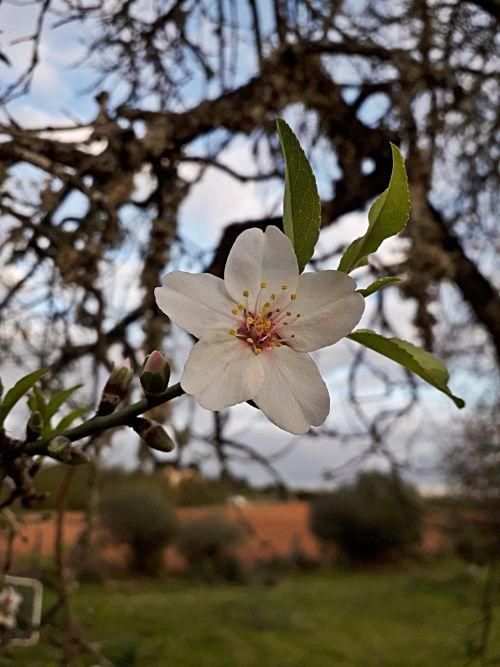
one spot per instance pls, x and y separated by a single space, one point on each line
256 326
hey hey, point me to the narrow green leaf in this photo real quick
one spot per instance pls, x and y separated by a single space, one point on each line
60 397
387 216
32 403
301 202
40 403
18 391
68 420
420 362
377 285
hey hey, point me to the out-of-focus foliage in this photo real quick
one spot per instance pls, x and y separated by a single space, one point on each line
472 465
376 516
143 521
207 543
192 491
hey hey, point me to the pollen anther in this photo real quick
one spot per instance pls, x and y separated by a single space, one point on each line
246 293
263 285
293 297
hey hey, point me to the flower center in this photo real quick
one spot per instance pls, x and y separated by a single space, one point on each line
264 326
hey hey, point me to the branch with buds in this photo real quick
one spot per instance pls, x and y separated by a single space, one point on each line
56 442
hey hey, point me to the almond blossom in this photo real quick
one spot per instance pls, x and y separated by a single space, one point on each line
257 326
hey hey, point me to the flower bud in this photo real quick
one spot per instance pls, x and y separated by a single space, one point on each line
155 373
61 449
78 456
153 435
116 388
34 426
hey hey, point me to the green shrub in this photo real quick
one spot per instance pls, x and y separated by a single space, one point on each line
476 542
377 515
207 544
143 521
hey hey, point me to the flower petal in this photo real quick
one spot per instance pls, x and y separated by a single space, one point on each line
221 371
197 303
329 308
294 395
257 257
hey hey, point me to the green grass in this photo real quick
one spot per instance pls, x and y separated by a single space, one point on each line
420 618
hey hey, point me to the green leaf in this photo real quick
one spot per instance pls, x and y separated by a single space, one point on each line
377 284
301 202
387 216
18 391
420 362
39 402
60 397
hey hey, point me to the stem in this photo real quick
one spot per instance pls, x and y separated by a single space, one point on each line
487 609
121 417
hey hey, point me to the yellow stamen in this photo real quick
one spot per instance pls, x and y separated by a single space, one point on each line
263 285
288 312
233 332
284 287
246 293
250 320
249 340
240 306
235 311
273 297
279 344
293 297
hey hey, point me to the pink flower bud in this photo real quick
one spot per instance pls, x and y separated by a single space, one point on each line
155 373
153 435
116 388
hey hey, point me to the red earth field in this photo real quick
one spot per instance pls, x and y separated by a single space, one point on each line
270 530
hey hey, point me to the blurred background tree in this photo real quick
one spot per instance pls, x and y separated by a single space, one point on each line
472 464
176 85
378 516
